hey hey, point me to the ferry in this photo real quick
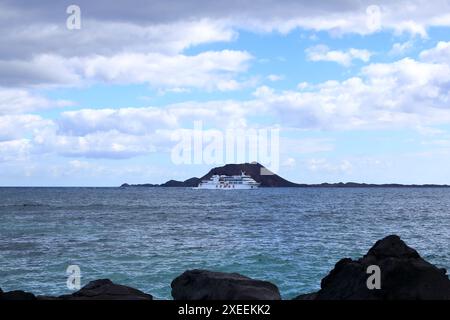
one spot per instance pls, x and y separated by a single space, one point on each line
223 182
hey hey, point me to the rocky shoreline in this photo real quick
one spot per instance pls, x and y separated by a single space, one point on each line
404 275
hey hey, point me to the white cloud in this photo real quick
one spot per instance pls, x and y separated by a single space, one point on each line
16 101
105 144
78 164
139 121
303 85
445 143
400 48
136 121
14 150
14 127
293 146
275 77
342 166
438 54
106 37
116 133
405 93
345 58
352 17
207 70
289 162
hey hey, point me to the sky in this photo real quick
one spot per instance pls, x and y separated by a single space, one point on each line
356 90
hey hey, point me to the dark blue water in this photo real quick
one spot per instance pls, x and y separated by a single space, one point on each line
145 237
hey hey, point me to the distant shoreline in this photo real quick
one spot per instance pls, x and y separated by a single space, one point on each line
267 179
307 186
339 185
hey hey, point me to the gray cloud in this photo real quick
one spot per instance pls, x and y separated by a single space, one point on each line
155 12
30 30
31 27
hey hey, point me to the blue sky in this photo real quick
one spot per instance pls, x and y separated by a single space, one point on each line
355 97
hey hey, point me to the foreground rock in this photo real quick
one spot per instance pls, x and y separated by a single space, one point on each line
404 276
16 295
208 285
105 289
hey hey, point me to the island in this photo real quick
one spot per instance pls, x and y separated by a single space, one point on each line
271 180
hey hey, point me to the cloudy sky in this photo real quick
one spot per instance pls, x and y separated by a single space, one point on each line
359 90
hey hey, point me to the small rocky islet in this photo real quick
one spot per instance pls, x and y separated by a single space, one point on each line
405 275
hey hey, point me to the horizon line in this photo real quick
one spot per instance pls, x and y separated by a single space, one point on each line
299 185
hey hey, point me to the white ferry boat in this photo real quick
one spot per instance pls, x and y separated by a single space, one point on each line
224 182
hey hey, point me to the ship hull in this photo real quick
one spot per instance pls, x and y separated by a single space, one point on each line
223 182
229 187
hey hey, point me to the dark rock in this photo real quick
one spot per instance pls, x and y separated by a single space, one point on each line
105 289
48 298
404 276
306 296
16 295
192 182
145 185
175 183
208 285
392 247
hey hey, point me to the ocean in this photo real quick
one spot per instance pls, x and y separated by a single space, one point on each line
145 237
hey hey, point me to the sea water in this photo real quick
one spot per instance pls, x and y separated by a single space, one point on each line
145 237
